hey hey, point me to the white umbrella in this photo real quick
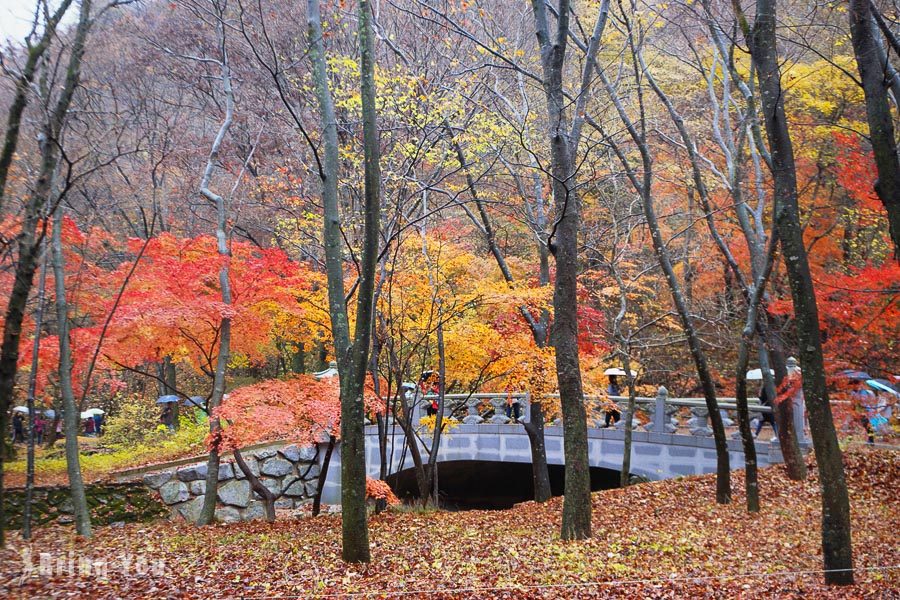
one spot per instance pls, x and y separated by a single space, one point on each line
91 412
756 374
21 409
618 372
86 415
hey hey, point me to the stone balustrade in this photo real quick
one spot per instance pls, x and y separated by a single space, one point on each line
659 414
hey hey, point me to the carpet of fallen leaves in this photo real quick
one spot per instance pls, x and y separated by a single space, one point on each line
657 540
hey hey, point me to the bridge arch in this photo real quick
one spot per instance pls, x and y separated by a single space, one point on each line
491 485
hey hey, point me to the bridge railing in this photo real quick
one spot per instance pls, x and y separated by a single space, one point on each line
662 414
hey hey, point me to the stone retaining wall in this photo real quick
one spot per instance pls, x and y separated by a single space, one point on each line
290 472
109 503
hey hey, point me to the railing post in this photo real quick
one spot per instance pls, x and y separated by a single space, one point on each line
473 418
659 410
499 405
699 423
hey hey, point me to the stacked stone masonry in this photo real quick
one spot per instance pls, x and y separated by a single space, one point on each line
109 503
290 472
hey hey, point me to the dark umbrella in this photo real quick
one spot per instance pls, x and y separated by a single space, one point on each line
854 375
167 399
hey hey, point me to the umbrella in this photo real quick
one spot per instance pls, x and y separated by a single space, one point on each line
756 374
93 411
195 401
50 414
618 372
167 399
883 385
86 415
21 409
854 375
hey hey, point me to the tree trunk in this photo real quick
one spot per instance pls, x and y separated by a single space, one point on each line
751 480
625 474
576 518
323 475
207 513
167 385
875 84
256 485
32 386
72 413
836 544
439 417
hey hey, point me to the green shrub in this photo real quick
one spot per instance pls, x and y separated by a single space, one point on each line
136 421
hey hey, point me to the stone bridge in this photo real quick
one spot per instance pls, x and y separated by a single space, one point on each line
674 441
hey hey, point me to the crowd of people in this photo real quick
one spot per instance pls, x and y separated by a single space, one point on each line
90 426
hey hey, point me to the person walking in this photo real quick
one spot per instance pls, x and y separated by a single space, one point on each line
767 417
39 425
18 424
612 410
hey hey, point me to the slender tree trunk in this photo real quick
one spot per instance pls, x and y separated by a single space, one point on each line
256 485
836 545
751 480
576 518
352 359
323 475
875 84
352 366
439 418
72 413
168 385
625 475
207 513
32 386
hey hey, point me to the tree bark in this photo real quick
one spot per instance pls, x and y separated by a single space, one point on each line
207 513
167 385
32 386
352 359
576 518
256 485
751 479
323 475
836 545
875 84
72 412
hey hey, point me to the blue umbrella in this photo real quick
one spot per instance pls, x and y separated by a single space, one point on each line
882 385
195 401
167 399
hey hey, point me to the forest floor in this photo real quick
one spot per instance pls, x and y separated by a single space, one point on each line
656 540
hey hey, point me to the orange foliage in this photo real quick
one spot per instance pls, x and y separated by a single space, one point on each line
377 489
301 409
